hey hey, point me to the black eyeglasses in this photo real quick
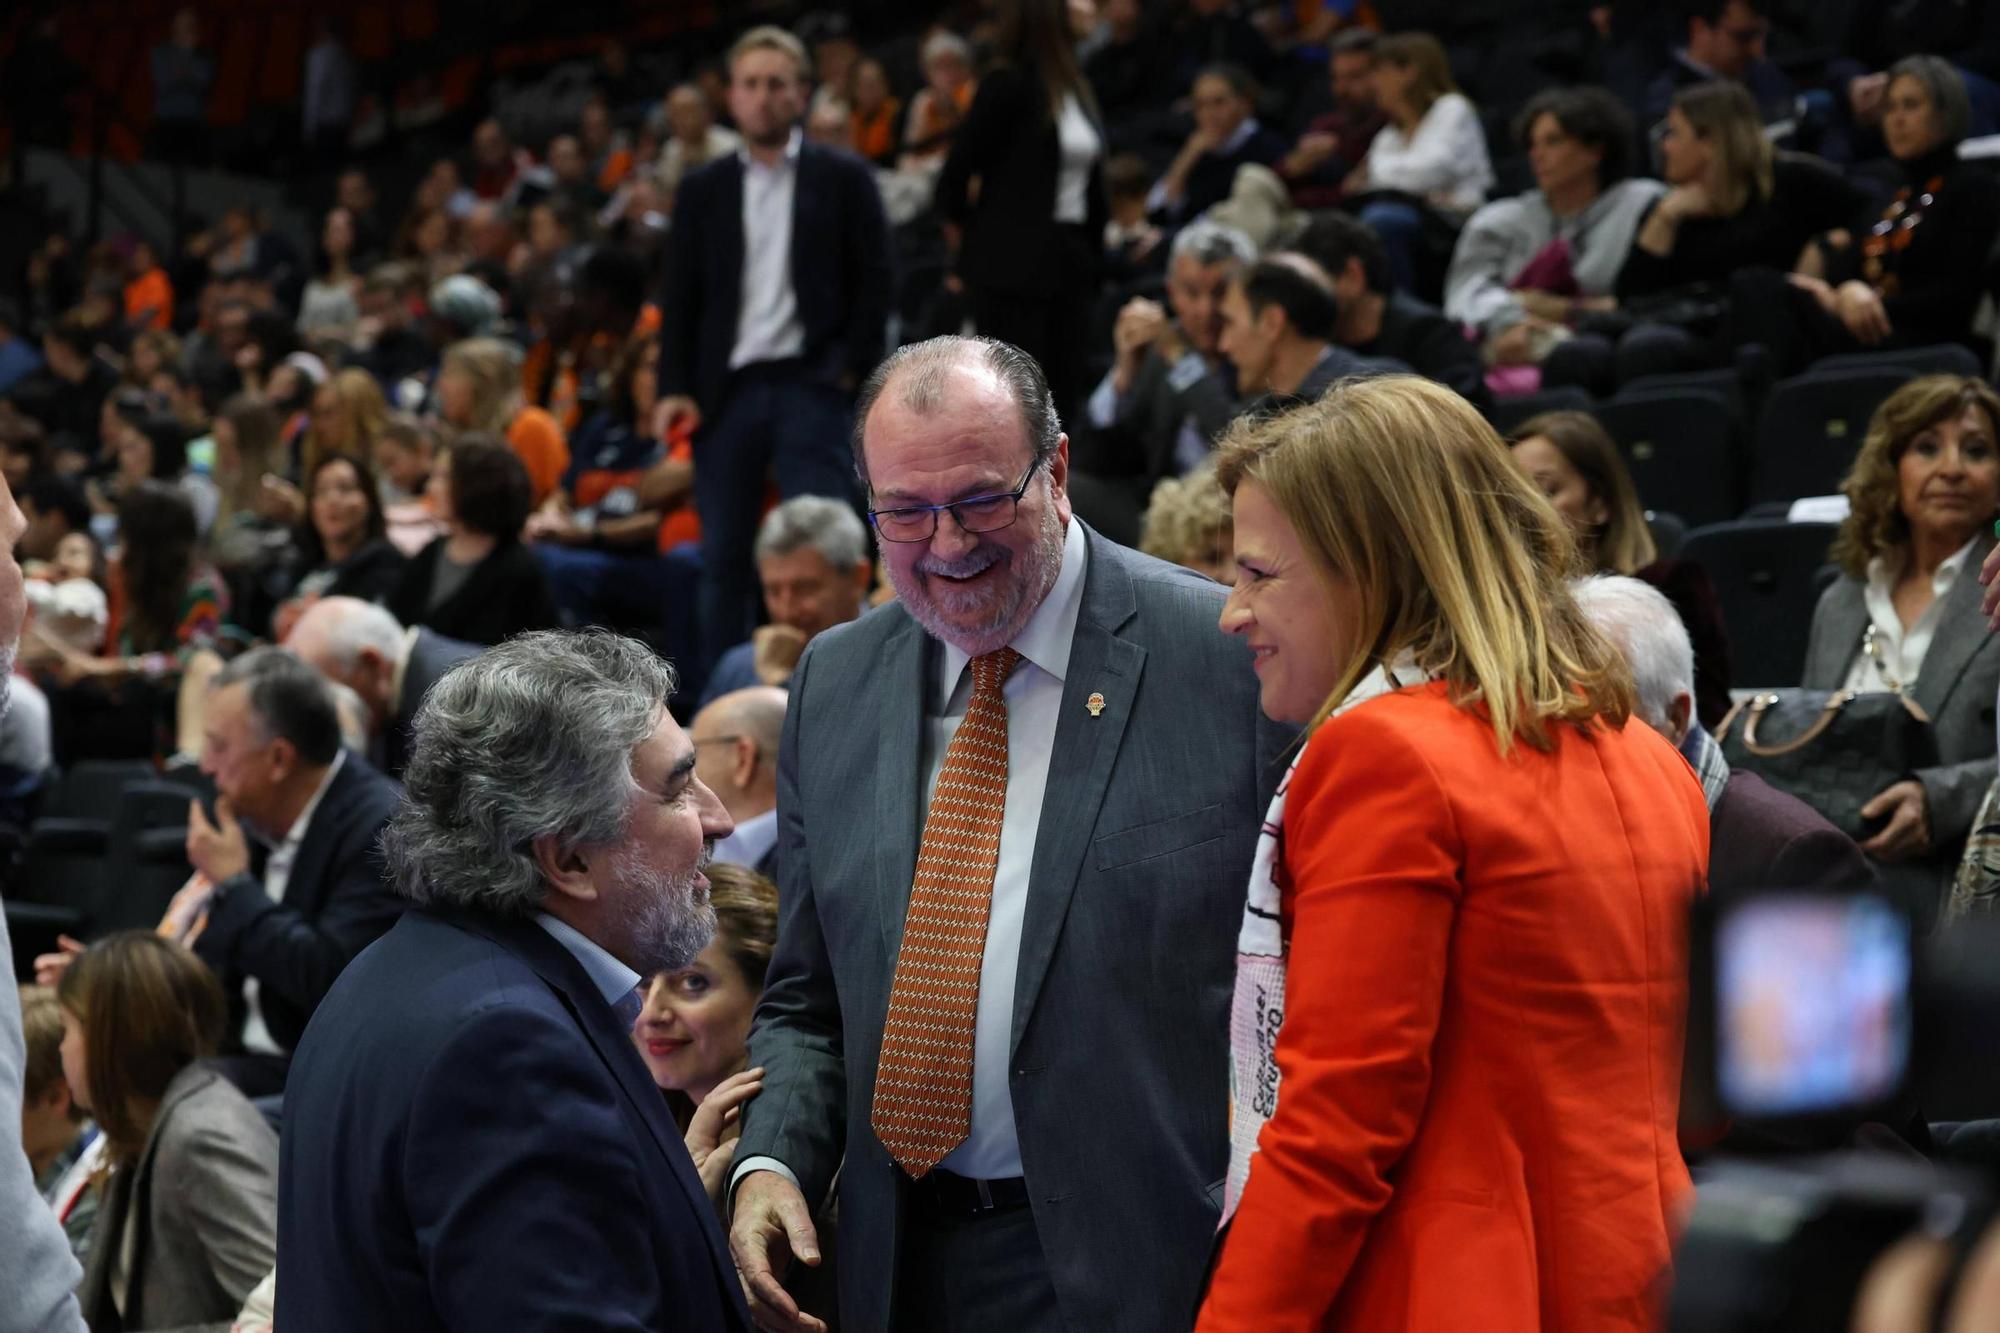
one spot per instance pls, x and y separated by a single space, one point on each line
978 513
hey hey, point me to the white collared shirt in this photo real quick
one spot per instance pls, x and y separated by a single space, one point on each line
768 327
277 877
992 1150
1901 651
617 983
1077 147
752 838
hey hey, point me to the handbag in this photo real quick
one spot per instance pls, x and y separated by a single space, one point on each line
1834 750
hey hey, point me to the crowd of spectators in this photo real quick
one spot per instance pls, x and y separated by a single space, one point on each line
601 371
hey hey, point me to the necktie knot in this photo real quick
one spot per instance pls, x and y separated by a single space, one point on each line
990 671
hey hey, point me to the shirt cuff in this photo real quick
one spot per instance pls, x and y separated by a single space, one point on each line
749 1164
1186 372
1103 406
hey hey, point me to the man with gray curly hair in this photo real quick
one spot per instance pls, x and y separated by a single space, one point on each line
471 1140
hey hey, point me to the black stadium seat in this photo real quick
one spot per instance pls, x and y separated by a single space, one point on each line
1767 575
1941 359
1812 427
1681 449
1507 413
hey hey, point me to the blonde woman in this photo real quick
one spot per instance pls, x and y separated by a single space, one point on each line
479 392
348 413
1189 523
1734 204
1456 1036
1923 495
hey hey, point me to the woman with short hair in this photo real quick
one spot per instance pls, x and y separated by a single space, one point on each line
478 582
1456 1035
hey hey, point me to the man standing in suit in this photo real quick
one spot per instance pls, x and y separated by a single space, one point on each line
1037 772
471 1139
360 645
736 741
278 922
776 304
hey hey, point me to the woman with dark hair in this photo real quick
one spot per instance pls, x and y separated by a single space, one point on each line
1024 187
1574 463
1527 270
1904 275
343 547
478 582
331 306
189 1217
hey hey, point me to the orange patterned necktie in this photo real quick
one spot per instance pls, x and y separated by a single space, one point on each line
923 1078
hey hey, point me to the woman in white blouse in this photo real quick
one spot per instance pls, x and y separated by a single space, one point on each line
1433 148
1924 493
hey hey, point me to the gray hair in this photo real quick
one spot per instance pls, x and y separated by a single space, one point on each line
827 526
1643 625
530 739
1211 243
943 43
925 370
1945 86
288 700
355 719
362 625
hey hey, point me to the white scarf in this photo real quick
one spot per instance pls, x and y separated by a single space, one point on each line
1258 1009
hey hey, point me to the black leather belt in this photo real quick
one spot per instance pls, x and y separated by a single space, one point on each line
951 1195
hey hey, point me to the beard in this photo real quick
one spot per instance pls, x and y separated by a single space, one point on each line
7 680
667 919
978 621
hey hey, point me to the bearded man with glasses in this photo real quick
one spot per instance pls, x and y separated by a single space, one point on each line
1013 811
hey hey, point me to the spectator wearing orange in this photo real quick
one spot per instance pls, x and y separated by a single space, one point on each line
941 103
876 113
149 293
479 389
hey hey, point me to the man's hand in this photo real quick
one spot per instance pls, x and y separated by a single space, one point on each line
49 967
717 1112
1139 325
1908 832
1864 96
673 409
771 1223
774 652
217 850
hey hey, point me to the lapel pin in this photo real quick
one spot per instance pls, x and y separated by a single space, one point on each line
1095 703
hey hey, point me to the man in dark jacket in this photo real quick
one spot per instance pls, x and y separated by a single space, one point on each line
362 646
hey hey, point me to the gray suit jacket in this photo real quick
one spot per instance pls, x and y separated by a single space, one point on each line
1957 687
203 1197
1119 1081
37 1272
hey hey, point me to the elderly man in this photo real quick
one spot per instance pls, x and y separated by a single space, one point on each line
1168 393
360 645
736 742
1040 1146
471 1138
812 560
1758 836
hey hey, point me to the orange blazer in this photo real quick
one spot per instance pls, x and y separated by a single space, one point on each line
1480 1055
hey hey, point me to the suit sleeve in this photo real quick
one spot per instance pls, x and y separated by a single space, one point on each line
508 1119
1371 849
225 1186
293 955
37 1270
680 294
798 1117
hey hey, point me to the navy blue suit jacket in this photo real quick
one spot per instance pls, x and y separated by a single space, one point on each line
840 273
472 1142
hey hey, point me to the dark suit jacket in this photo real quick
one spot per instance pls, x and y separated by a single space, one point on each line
431 655
1008 143
840 273
199 1208
1957 687
472 1142
1213 175
337 902
1137 449
506 594
1760 838
1122 995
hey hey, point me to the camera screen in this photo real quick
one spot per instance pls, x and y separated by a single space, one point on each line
1812 1004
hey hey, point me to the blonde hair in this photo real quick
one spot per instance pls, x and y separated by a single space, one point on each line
493 368
1399 485
353 426
1723 116
1185 516
769 37
1875 523
1424 55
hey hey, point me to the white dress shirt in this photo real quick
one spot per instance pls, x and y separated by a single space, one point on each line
752 838
277 877
768 327
992 1150
1077 147
1900 652
1443 160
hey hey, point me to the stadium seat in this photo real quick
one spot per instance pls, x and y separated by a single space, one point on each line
1942 359
1507 413
1681 448
146 862
1669 533
1767 576
1812 427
